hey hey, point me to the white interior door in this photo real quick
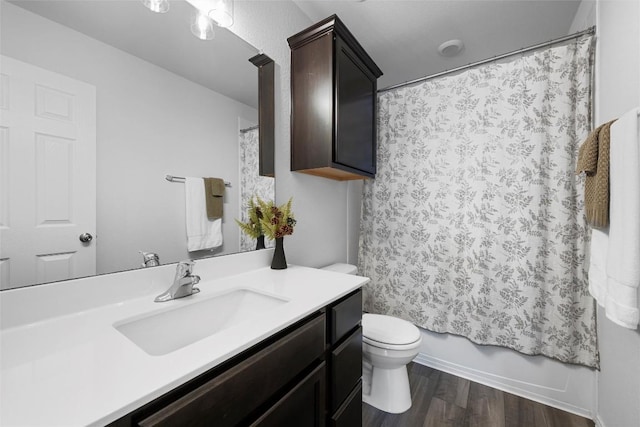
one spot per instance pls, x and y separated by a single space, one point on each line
47 175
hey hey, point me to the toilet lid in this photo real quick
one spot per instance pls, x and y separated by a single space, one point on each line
389 330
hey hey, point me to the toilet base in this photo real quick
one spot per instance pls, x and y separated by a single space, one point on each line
386 389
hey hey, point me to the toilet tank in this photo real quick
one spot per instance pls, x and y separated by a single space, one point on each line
342 268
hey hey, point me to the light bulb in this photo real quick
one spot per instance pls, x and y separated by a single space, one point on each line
158 6
202 27
221 11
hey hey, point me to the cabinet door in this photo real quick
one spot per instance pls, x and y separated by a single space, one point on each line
229 398
355 93
302 406
346 368
350 413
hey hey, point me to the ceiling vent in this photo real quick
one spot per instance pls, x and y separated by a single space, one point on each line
451 48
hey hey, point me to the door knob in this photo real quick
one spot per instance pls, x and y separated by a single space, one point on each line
85 237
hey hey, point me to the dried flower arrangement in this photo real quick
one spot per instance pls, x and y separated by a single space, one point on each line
277 221
253 227
265 218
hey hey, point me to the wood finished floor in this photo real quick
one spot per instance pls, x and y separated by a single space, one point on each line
444 400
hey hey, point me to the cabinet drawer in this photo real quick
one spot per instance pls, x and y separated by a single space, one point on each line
344 316
350 413
302 406
228 398
346 368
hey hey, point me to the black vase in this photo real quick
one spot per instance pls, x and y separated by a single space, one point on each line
260 242
279 261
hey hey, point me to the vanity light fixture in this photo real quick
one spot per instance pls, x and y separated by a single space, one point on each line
202 26
208 12
220 11
158 6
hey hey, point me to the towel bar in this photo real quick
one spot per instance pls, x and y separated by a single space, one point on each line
172 178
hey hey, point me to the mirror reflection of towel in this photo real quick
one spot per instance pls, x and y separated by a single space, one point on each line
214 192
202 233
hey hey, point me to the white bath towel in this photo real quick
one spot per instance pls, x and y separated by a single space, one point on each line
201 232
614 271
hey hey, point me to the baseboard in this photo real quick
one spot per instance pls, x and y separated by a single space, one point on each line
502 383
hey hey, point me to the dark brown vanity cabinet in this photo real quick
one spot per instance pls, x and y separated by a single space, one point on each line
333 103
307 375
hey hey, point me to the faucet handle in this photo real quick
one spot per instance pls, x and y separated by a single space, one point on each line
185 268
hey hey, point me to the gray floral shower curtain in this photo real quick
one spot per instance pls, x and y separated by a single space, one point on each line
474 224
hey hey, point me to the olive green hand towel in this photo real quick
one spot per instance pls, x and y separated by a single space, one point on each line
593 159
214 192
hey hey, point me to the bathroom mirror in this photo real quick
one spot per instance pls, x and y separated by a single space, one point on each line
163 103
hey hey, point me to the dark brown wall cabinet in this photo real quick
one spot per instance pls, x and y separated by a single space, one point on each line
333 103
307 375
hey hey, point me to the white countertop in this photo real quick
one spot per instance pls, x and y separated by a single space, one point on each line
77 369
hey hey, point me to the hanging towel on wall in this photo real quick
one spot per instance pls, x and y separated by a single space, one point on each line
593 159
214 192
201 232
614 271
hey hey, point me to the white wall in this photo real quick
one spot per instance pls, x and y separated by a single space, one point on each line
354 214
585 16
150 123
617 91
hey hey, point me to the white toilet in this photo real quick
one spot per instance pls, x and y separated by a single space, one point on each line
388 345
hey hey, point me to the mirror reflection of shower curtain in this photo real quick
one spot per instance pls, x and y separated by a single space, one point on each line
474 224
251 183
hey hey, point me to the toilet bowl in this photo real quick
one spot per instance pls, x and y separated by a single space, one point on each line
388 345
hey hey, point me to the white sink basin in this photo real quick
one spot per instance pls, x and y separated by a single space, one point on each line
167 331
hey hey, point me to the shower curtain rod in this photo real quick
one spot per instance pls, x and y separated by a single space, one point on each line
250 128
590 30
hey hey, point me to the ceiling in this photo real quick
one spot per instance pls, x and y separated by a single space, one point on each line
402 36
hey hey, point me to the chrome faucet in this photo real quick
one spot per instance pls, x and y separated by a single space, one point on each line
182 283
149 259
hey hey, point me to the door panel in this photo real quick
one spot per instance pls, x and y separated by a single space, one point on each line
48 180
